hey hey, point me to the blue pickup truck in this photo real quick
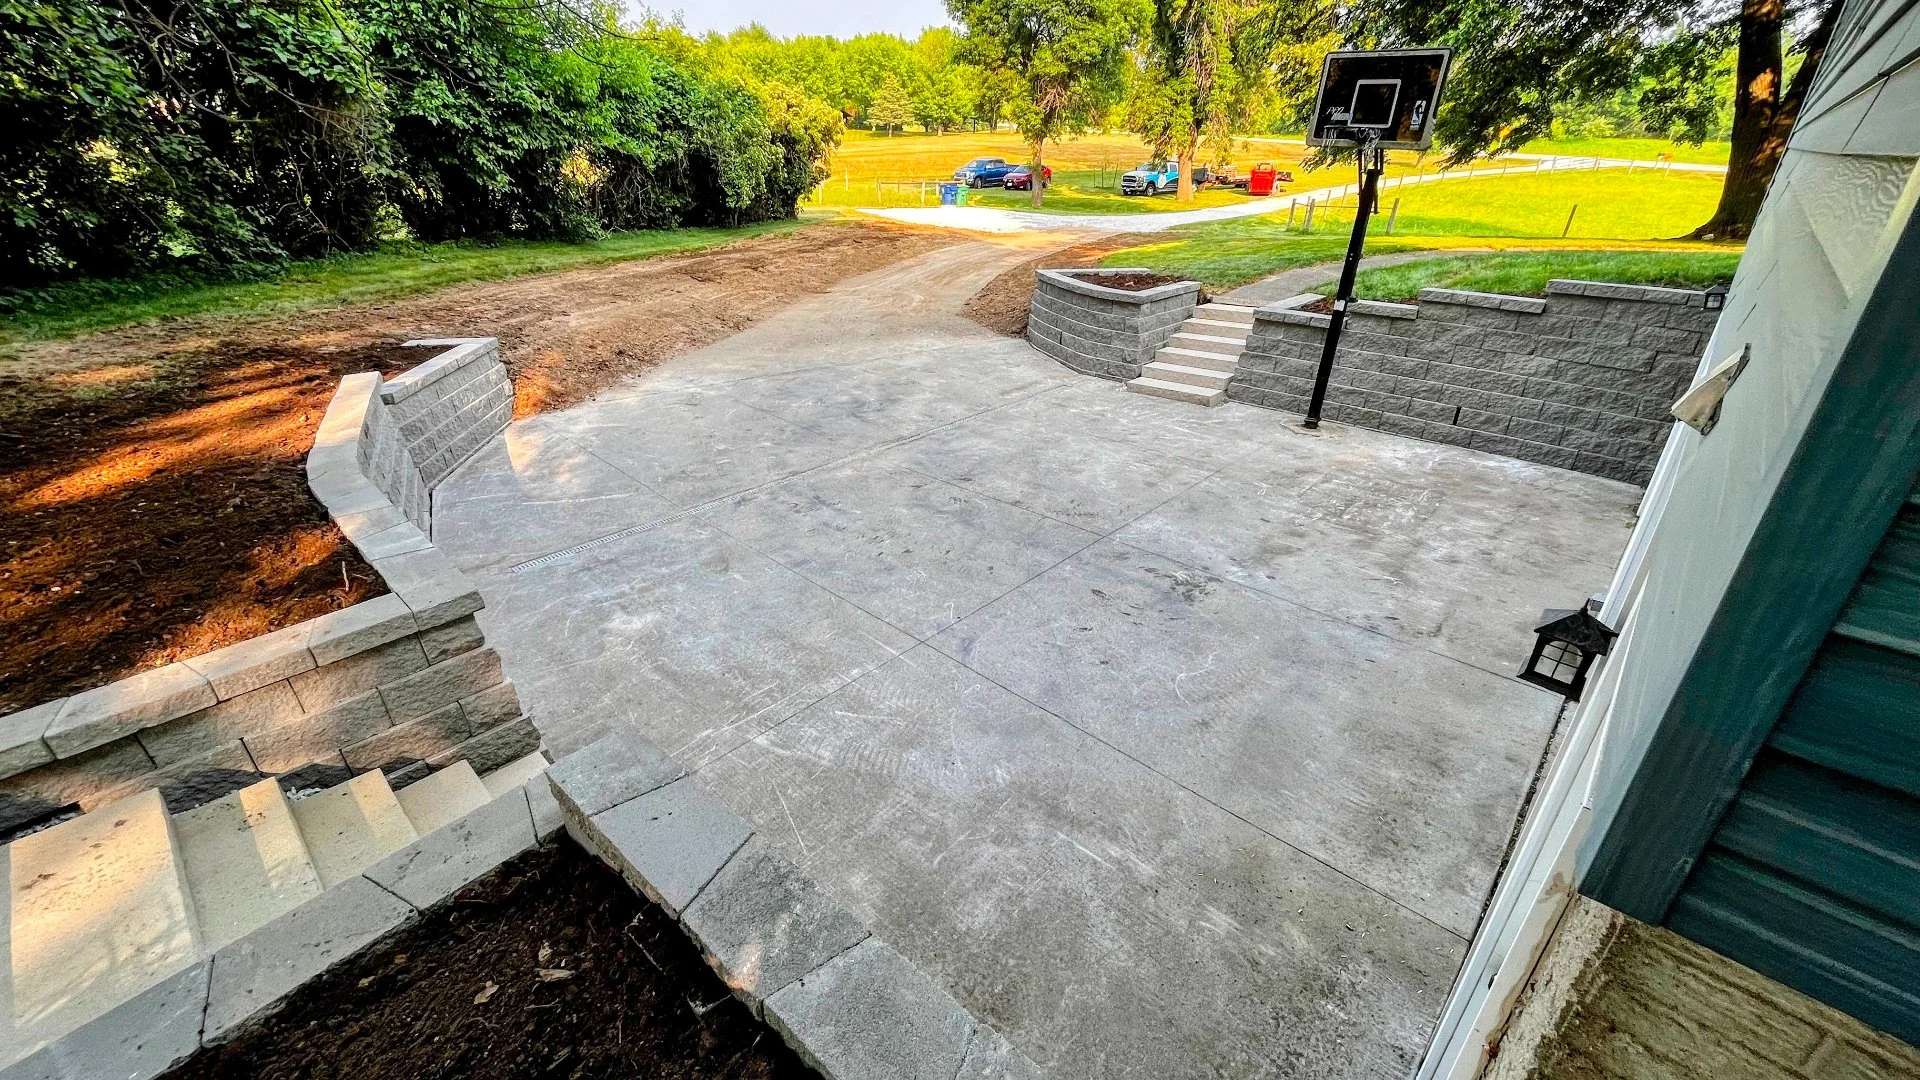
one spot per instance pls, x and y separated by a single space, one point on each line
983 172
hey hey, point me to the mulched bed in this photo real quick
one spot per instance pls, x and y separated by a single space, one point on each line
1135 282
549 967
153 512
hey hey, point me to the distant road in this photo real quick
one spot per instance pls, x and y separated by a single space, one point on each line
990 219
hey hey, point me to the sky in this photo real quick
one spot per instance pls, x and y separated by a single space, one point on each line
785 18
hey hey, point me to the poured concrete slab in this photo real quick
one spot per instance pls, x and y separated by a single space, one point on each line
1104 918
1211 757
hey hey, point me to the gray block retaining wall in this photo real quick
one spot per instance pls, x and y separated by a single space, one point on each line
1102 331
1582 379
403 681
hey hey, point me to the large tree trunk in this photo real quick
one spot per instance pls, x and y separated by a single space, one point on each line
1183 189
1039 173
1763 117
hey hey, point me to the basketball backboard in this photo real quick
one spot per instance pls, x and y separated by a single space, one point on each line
1390 94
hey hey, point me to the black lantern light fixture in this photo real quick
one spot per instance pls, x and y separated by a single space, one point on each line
1714 298
1566 645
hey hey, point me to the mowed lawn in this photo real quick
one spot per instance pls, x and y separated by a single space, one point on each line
1523 212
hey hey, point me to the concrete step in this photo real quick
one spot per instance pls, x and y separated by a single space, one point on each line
245 862
514 773
1232 331
352 826
97 911
1229 313
443 797
1204 378
1198 358
1177 391
1186 339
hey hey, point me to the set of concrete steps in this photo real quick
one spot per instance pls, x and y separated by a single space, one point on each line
1199 359
96 910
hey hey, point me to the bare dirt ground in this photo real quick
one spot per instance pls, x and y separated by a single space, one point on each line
1002 305
153 502
549 966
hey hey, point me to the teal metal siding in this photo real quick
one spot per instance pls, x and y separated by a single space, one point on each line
1813 876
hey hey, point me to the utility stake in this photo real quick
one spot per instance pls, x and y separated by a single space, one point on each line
1393 216
1569 228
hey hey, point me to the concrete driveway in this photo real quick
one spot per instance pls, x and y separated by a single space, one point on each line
1177 742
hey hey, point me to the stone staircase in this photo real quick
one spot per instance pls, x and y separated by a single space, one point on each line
98 909
1200 358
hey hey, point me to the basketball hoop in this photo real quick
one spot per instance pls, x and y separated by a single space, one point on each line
1373 102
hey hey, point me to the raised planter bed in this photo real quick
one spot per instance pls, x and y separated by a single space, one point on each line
1097 329
1582 378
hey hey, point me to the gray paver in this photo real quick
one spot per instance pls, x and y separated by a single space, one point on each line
762 923
547 816
669 843
140 1038
256 972
871 1015
432 868
611 771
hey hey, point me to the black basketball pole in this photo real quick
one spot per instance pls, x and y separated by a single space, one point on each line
1372 161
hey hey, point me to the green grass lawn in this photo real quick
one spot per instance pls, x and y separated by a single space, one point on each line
1708 153
1526 273
1524 210
400 269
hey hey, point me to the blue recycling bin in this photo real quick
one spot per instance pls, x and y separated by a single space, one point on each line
949 194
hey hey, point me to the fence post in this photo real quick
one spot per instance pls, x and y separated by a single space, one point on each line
1308 227
1393 216
1569 227
1292 205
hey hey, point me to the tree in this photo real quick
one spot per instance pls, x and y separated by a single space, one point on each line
1516 65
891 106
1069 57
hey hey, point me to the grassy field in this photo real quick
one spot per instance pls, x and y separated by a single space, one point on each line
1613 204
1526 273
1708 153
1525 211
395 270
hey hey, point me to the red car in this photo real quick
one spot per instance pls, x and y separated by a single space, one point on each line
1021 178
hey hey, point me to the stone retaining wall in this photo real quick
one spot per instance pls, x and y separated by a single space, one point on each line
404 681
1582 379
1097 330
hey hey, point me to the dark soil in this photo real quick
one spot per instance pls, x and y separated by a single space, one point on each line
549 967
152 512
1002 305
1322 306
1135 282
153 496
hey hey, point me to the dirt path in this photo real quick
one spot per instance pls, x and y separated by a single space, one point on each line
153 502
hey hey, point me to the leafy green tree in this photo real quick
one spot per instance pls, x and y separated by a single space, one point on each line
1069 58
1516 68
891 106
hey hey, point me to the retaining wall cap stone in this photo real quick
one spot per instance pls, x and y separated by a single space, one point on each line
432 588
1072 282
461 352
258 971
610 771
21 744
1608 290
137 1039
762 923
352 630
256 662
99 716
1526 305
871 1015
671 842
447 859
1383 309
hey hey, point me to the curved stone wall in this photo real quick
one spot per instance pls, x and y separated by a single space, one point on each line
1097 330
403 682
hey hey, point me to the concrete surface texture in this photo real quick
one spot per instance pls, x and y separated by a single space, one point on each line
1171 742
